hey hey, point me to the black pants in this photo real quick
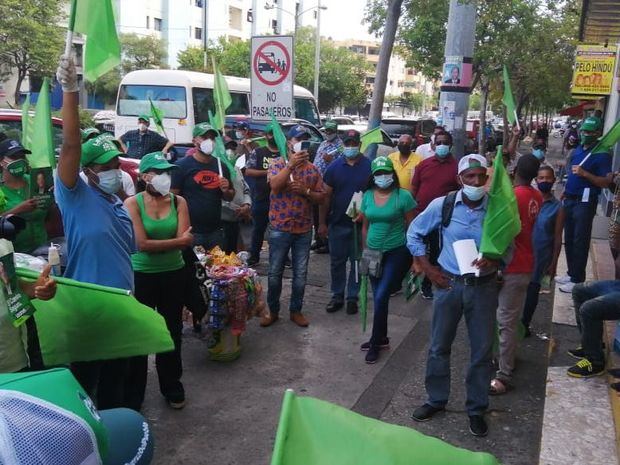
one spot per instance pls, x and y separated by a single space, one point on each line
103 381
192 296
164 293
434 249
231 236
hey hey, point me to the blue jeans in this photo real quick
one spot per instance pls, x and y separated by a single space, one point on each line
396 263
595 302
260 218
341 250
279 244
478 304
542 260
577 234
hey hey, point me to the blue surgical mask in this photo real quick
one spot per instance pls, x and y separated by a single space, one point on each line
383 181
351 152
442 151
473 193
110 181
538 153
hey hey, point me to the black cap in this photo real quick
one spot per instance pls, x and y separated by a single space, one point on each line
10 147
351 134
241 125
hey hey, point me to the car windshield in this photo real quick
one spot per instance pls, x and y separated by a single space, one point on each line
203 102
134 100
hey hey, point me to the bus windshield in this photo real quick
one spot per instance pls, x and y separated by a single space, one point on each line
306 109
133 100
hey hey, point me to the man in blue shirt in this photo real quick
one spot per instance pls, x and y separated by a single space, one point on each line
99 232
456 295
587 175
345 176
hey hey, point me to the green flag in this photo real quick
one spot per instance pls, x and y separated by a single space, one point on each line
221 97
363 300
508 99
86 322
43 152
158 117
315 432
607 142
374 136
26 123
219 151
501 221
278 136
102 50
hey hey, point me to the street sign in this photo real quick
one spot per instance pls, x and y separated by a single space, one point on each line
272 77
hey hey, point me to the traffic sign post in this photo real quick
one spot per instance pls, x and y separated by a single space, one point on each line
272 77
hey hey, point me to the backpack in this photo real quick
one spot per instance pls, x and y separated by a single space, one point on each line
447 208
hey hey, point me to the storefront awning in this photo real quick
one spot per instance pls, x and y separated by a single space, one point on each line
600 22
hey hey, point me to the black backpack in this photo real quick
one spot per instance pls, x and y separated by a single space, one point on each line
447 208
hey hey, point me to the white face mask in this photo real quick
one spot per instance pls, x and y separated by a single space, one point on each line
110 181
239 135
206 146
142 127
297 147
161 183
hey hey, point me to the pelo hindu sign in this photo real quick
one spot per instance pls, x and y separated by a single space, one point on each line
594 70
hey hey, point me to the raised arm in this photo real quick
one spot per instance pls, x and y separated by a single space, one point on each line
71 151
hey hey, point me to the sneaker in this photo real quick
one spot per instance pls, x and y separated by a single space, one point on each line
176 404
269 319
586 369
384 344
562 279
477 425
427 294
425 412
299 319
334 305
577 353
351 307
372 355
567 288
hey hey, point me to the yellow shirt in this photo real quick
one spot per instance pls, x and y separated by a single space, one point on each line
405 172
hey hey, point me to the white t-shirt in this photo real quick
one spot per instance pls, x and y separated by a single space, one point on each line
240 162
425 151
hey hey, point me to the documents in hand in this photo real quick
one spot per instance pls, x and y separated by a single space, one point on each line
466 253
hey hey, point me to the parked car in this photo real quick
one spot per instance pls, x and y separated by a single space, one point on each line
420 129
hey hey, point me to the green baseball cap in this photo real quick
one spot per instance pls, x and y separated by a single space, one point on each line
154 161
89 133
331 125
382 164
202 128
145 117
98 150
592 123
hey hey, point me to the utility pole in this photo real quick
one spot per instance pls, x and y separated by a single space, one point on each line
205 33
279 16
254 16
317 52
459 51
383 67
299 7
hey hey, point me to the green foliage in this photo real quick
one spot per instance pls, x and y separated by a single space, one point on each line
30 39
191 59
86 118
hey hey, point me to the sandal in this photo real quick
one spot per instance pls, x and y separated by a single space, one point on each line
498 387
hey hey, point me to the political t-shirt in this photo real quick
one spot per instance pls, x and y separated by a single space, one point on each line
199 184
529 201
260 159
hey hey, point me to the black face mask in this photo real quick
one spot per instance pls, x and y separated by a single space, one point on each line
404 149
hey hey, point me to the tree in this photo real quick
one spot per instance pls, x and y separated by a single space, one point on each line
191 59
30 40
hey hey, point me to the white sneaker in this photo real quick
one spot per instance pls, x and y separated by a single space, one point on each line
567 288
562 279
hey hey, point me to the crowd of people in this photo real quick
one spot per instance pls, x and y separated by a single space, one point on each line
394 214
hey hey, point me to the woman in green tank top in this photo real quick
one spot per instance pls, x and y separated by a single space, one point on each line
162 228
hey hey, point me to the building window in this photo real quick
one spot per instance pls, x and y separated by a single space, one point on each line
198 33
157 22
235 18
148 22
373 51
358 49
198 3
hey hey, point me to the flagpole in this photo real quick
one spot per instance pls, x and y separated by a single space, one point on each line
281 433
71 26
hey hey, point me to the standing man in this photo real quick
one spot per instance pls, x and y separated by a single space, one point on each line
457 295
199 181
588 174
138 142
296 185
405 161
345 176
256 170
434 177
98 228
428 150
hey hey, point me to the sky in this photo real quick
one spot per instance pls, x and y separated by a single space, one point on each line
342 19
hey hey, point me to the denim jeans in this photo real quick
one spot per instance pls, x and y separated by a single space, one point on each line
595 302
396 262
478 304
434 249
279 244
542 260
341 250
577 234
260 218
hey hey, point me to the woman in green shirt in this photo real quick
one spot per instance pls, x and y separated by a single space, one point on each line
161 224
387 210
16 189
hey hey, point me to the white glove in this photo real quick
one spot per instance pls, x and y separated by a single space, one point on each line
66 74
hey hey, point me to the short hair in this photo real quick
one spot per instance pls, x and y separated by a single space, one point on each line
527 167
444 133
547 168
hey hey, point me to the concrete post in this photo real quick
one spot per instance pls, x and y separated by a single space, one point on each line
454 101
205 33
317 52
280 4
254 16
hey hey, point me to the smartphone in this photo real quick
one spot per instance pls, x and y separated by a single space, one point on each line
305 145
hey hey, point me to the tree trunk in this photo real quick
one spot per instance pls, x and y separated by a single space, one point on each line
482 139
378 94
21 75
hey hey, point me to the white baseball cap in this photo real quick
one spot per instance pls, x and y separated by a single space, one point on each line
472 161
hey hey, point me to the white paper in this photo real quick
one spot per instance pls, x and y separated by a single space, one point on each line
466 252
586 195
356 201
